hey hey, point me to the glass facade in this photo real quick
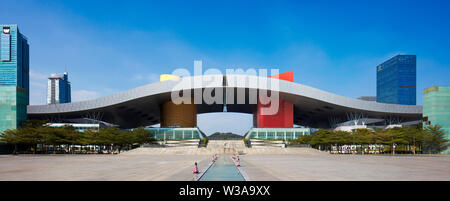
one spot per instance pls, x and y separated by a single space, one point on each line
177 133
5 46
14 77
277 133
436 108
396 80
78 127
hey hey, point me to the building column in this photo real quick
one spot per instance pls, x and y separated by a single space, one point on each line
181 115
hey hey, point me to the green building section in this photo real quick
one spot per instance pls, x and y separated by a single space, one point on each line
436 108
13 107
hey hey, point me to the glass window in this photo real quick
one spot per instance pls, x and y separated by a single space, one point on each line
196 135
169 134
188 134
280 135
289 135
262 135
5 48
254 134
270 135
179 134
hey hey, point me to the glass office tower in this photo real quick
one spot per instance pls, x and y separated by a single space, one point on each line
58 89
396 80
14 77
436 108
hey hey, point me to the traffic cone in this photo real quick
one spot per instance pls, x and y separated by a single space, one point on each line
195 168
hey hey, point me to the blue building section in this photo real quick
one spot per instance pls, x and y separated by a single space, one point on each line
396 80
64 90
14 57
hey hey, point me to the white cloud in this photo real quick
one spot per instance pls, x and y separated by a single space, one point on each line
82 95
153 78
37 96
37 76
146 78
41 85
38 88
138 77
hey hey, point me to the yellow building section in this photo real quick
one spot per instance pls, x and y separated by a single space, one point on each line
181 115
165 77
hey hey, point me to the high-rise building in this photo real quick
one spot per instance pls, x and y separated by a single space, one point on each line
436 108
58 89
396 80
14 77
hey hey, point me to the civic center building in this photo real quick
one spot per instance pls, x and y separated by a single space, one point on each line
298 105
301 109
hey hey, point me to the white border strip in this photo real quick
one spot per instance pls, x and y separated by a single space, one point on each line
241 171
197 177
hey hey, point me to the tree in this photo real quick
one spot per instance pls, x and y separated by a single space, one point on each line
34 133
392 137
28 137
362 137
339 138
88 138
142 136
322 139
71 137
105 137
52 136
414 136
303 139
33 123
11 137
434 139
376 138
398 137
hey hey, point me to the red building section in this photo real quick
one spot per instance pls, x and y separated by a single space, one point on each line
285 116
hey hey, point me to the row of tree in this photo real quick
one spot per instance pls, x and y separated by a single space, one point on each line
35 137
401 139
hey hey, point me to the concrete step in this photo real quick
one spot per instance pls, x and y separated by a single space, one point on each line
219 148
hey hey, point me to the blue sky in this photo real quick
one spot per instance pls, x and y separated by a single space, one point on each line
112 46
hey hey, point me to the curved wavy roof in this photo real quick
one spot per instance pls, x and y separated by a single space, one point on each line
140 106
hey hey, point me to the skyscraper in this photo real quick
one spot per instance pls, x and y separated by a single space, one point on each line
58 89
14 77
436 108
396 80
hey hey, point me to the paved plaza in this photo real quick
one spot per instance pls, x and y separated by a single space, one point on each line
325 167
100 167
288 167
